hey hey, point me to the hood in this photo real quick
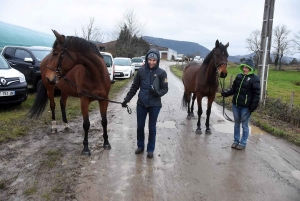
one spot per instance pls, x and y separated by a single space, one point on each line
11 72
248 63
155 51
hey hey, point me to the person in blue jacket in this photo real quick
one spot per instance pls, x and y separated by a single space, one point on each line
149 99
246 95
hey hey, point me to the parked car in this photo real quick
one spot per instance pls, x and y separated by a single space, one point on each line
123 67
108 59
27 60
196 58
137 62
143 57
13 86
179 58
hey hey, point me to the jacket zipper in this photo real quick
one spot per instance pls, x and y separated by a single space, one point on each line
239 91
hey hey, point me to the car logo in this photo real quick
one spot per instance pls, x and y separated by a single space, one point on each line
3 81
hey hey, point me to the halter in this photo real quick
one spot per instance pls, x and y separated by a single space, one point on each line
216 64
59 62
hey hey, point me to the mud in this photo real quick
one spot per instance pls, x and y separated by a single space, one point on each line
186 166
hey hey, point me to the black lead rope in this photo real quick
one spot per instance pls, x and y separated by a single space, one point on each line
88 94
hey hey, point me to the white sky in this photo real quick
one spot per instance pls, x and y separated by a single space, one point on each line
196 21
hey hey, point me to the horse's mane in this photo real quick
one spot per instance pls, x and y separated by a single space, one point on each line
210 55
77 43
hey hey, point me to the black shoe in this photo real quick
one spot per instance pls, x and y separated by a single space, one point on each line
150 155
139 150
240 147
234 145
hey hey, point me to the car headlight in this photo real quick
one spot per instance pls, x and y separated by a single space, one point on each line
22 77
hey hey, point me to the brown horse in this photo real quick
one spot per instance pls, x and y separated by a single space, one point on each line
77 68
203 80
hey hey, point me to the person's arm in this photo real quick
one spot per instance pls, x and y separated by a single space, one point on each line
255 87
134 88
230 92
163 83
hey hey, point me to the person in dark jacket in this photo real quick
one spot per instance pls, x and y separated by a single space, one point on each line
149 99
246 96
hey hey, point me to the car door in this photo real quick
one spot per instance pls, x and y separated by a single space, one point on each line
21 65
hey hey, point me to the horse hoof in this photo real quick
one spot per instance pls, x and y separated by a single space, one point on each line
188 117
198 132
54 131
208 132
86 153
107 146
192 115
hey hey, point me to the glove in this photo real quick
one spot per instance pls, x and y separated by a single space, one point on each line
252 108
153 91
124 104
223 93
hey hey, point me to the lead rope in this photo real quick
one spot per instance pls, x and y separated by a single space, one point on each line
88 94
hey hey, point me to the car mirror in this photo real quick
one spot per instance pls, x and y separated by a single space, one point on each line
28 60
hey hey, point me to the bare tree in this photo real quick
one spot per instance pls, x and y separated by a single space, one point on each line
296 43
281 44
91 33
253 44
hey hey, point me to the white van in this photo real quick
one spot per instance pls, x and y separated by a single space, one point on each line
108 59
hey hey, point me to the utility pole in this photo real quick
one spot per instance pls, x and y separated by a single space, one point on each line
265 46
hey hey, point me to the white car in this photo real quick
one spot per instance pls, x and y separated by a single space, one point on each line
137 62
13 86
123 67
108 59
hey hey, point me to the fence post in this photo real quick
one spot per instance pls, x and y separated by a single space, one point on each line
291 103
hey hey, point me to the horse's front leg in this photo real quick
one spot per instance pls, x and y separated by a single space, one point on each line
86 125
199 101
208 112
63 103
192 107
50 94
103 110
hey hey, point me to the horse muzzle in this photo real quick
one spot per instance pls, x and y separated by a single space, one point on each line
53 81
223 75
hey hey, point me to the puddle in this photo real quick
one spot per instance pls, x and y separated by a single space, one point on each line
229 128
296 174
166 124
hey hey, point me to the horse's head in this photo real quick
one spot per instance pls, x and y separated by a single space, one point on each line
61 59
220 56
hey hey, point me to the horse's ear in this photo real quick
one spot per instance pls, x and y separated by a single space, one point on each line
59 37
227 45
217 43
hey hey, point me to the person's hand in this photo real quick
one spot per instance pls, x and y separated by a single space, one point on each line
251 108
153 91
124 104
223 94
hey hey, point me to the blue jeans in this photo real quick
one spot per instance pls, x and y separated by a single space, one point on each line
141 114
241 116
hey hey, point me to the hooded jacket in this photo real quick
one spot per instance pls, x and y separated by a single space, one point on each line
245 88
143 81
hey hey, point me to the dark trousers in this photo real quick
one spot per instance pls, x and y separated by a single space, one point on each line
142 112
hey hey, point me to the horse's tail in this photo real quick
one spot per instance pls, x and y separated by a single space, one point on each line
184 102
40 102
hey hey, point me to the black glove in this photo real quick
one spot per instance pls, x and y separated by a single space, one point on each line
124 104
153 91
223 93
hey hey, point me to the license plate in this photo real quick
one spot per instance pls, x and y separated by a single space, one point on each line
7 93
117 73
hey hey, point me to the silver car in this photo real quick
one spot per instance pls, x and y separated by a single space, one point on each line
137 62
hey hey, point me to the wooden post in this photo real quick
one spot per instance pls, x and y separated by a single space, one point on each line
291 103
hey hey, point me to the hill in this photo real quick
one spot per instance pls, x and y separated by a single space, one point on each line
193 49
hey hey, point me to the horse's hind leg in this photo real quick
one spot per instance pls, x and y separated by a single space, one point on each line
63 103
103 111
192 107
50 94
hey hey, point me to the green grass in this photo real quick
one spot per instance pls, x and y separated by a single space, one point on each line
14 123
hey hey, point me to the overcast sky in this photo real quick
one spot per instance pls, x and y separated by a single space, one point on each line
196 21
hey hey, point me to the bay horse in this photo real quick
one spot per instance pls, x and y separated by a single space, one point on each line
202 80
77 68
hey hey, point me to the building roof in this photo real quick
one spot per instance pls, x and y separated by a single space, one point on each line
20 36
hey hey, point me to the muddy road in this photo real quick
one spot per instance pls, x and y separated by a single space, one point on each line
186 166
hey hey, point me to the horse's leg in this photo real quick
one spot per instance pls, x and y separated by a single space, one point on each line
50 94
192 107
63 103
84 101
187 100
103 111
210 99
199 101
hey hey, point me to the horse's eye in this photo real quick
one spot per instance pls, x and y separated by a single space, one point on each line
54 53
